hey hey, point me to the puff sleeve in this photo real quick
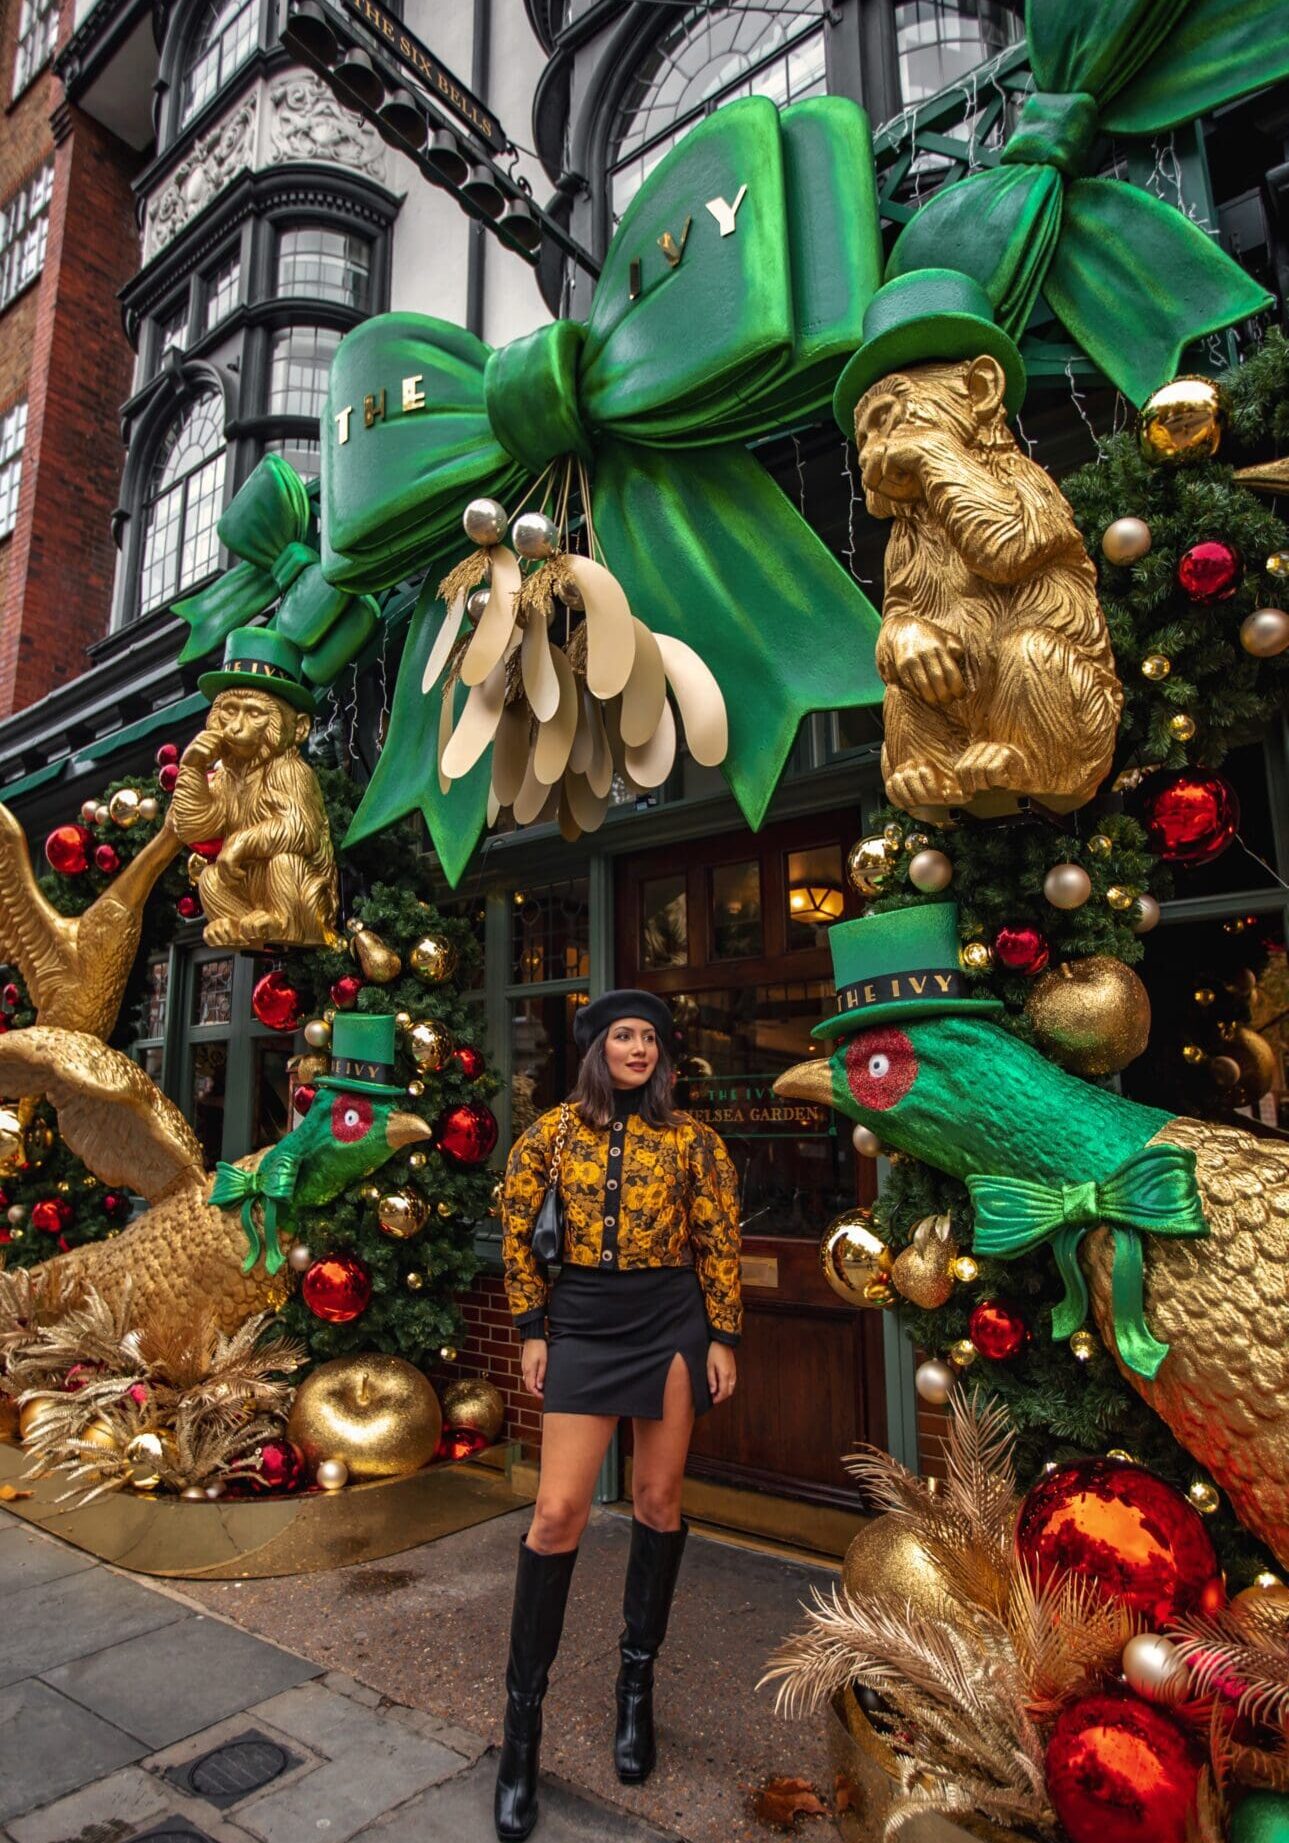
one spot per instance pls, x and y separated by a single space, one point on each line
522 1193
714 1232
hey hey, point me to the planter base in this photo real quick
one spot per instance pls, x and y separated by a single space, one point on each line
863 1782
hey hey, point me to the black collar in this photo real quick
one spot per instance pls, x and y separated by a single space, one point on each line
627 1100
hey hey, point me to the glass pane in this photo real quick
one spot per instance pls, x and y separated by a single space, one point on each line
543 1058
326 264
209 1073
298 370
149 1060
212 1000
155 995
269 1117
222 290
939 41
816 895
664 929
795 1161
551 934
736 910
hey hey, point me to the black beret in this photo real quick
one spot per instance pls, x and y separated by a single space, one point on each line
591 1019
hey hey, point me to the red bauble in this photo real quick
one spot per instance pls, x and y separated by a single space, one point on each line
208 848
1120 1770
53 1215
67 849
337 1288
167 755
107 859
997 1329
460 1443
305 1095
1210 571
1126 1531
1021 950
344 993
1191 818
168 774
276 1002
467 1133
187 908
114 1204
11 996
278 1465
469 1060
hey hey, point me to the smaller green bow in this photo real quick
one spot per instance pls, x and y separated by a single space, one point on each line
1153 1192
272 1183
268 526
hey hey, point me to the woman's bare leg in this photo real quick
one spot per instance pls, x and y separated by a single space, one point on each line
573 1449
659 1451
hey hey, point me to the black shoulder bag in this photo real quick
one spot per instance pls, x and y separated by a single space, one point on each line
548 1229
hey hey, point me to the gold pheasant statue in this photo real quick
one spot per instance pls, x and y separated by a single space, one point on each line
1174 1232
184 1255
75 966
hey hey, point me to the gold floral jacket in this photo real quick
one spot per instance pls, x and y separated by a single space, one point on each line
634 1195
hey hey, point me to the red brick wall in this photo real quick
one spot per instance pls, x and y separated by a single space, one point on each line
489 1347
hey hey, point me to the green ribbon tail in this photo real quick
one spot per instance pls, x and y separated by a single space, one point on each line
1072 1311
1141 1352
274 1259
252 1235
1126 260
784 629
1215 51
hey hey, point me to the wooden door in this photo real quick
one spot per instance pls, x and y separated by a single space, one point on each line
732 932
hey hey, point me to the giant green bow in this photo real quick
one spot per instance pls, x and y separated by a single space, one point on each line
679 364
267 526
1132 279
271 1183
1154 1192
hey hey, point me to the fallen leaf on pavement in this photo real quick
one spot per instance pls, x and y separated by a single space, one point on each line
8 1494
780 1802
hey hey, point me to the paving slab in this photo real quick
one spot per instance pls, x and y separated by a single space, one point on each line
171 1682
460 1811
49 1746
75 1616
173 1764
113 1807
28 1558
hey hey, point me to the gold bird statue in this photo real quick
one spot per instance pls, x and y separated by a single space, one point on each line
183 1255
75 966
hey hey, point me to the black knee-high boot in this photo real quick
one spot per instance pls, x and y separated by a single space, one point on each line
646 1603
541 1594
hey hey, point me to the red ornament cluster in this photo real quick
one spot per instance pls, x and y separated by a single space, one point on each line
1121 1770
11 996
168 774
67 849
52 1215
275 1001
469 1060
466 1134
1191 818
344 993
337 1289
1021 950
997 1329
188 908
1209 572
460 1443
167 755
278 1465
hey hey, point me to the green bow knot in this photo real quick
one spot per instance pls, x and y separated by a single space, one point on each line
267 526
1153 1192
731 296
1132 279
272 1183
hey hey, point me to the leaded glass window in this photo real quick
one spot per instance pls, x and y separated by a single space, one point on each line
300 360
186 497
326 265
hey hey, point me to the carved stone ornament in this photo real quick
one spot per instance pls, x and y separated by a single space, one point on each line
308 123
206 169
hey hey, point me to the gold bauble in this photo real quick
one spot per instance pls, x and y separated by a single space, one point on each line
1259 1063
431 1045
475 1402
1091 1016
963 1353
1204 995
1100 846
977 956
401 1213
885 1561
1277 564
380 964
418 1161
123 807
448 1353
1193 1054
143 1454
1182 726
1125 540
1266 1595
966 1268
1205 1496
100 1433
868 865
893 833
433 959
378 1413
856 1262
8 1418
1119 897
414 1281
1182 421
31 1414
444 1209
1083 1345
11 1146
1156 666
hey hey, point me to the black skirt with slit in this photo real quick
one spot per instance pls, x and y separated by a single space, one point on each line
611 1339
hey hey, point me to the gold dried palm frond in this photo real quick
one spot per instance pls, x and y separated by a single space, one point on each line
29 1298
1207 1822
979 1453
1231 1646
1066 1637
89 1330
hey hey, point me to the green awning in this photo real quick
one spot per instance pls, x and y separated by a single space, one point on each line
106 746
35 779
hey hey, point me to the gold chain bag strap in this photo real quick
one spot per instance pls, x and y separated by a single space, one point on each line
548 1230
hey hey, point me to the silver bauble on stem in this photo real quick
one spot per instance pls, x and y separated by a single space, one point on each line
1153 1667
1145 915
534 535
930 871
934 1381
485 522
1265 633
475 603
866 1142
1067 886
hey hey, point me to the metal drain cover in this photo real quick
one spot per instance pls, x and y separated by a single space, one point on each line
231 1771
172 1830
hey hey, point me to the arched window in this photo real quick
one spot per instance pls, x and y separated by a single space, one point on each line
711 55
223 42
939 41
184 501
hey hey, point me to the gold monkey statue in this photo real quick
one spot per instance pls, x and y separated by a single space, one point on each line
242 780
1001 684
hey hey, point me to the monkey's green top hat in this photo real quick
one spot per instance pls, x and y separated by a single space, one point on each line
903 964
928 316
362 1054
257 659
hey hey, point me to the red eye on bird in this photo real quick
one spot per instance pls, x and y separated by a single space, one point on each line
351 1118
881 1067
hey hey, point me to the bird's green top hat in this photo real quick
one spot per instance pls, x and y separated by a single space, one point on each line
257 659
926 317
902 964
362 1054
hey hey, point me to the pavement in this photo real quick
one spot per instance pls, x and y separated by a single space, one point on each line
365 1703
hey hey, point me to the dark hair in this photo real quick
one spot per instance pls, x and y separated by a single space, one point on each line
592 1092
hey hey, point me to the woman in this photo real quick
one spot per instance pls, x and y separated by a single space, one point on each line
642 1320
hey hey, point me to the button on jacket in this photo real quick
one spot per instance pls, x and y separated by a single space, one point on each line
634 1195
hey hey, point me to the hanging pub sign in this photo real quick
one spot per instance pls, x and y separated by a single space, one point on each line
433 77
746 1107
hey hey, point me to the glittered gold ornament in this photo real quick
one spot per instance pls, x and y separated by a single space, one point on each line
1118 896
332 1474
1156 666
401 1214
885 1561
433 959
380 964
977 956
1205 1496
868 865
1182 421
431 1045
1083 1345
1182 726
934 1381
923 1272
474 1402
378 1413
856 1262
123 807
1126 540
1155 1669
1092 1016
1265 633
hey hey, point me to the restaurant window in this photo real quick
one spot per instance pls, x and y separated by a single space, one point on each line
736 910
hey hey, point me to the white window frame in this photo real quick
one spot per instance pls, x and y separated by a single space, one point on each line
13 435
24 233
